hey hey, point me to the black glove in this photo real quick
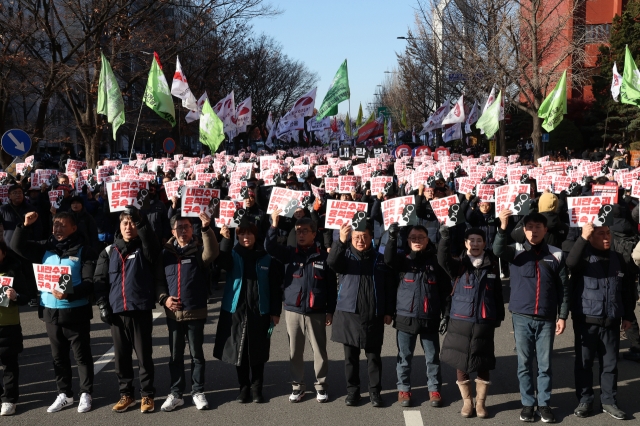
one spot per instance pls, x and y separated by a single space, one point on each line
133 212
444 324
393 231
105 311
444 231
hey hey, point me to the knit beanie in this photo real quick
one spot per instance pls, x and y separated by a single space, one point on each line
548 202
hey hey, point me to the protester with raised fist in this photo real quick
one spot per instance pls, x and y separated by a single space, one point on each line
125 292
66 316
13 213
309 292
423 287
602 302
539 305
366 302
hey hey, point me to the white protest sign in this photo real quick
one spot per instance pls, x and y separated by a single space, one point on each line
486 192
440 207
48 276
55 198
173 188
228 216
583 210
506 195
125 193
393 209
282 199
347 184
198 200
340 212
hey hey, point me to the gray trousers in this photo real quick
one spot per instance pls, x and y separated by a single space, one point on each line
299 327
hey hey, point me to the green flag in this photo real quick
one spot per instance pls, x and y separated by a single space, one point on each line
157 95
110 101
359 118
403 119
347 126
489 122
211 128
630 87
333 111
338 92
555 105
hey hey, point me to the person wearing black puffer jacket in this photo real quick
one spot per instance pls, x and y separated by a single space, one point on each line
183 289
474 309
125 293
420 300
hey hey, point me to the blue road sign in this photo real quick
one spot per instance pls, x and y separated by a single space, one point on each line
169 145
545 137
16 142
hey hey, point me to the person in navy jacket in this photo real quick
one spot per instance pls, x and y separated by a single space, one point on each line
539 303
182 289
67 316
602 300
366 302
309 301
125 292
423 287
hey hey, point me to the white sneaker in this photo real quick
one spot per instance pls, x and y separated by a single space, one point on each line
8 409
322 396
171 403
62 401
200 401
296 396
84 406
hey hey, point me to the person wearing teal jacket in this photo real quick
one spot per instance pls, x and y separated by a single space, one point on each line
251 307
67 316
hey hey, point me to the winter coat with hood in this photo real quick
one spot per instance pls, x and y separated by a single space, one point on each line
557 230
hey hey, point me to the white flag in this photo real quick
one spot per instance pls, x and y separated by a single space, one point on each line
286 126
195 114
180 88
452 133
615 83
413 134
269 123
456 115
435 121
303 106
272 132
226 111
472 118
243 113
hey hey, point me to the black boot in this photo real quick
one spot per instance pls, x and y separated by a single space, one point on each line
256 392
244 397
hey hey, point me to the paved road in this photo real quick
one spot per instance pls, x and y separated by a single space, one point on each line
38 386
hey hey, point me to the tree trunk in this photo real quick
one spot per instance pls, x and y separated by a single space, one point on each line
536 135
502 144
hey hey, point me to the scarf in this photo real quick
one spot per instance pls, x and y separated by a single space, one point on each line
476 261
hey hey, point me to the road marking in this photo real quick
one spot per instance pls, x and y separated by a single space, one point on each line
110 354
413 418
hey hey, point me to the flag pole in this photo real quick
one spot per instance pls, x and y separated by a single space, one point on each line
136 131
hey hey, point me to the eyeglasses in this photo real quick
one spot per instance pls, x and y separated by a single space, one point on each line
304 231
417 239
363 237
182 228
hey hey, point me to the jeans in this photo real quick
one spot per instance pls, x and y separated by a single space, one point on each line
193 330
406 345
534 338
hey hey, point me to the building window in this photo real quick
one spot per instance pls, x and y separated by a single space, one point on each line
597 33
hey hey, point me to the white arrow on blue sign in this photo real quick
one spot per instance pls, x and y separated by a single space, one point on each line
16 142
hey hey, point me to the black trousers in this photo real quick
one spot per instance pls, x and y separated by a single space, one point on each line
633 336
132 331
63 339
352 369
257 372
593 341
